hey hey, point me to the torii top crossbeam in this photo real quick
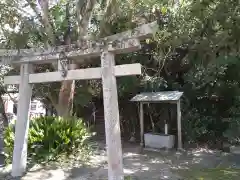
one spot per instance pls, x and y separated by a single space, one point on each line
124 42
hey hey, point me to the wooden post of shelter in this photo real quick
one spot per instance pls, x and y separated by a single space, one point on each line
141 115
105 48
179 124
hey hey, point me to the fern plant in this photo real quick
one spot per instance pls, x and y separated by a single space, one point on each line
49 137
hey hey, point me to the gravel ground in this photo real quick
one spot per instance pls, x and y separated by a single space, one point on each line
140 166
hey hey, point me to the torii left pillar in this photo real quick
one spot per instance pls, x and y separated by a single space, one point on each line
22 124
111 116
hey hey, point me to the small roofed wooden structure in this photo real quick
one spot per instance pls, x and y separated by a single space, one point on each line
172 97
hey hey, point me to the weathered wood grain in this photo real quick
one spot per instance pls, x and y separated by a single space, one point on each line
120 47
111 116
22 123
79 74
122 44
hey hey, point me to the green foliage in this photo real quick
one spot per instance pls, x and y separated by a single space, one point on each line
212 104
49 137
8 143
233 131
197 127
196 50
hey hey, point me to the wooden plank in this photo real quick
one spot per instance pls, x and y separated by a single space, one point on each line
120 47
22 123
179 125
79 74
157 102
111 116
8 80
51 54
141 32
141 116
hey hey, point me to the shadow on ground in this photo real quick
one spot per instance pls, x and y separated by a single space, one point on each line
142 166
174 165
146 165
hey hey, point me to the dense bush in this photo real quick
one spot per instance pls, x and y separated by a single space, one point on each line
212 104
233 131
49 137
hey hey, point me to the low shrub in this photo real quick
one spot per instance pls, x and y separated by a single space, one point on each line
233 132
49 137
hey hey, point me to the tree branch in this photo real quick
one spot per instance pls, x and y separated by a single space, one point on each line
45 20
12 98
84 13
110 12
53 101
35 9
67 37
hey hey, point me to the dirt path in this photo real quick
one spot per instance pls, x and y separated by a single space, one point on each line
140 166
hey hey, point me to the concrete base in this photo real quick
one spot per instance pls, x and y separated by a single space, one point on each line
235 150
159 140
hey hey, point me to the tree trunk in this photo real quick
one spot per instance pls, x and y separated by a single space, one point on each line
84 13
3 123
66 94
3 117
49 110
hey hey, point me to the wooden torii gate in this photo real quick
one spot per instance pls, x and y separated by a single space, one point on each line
106 48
